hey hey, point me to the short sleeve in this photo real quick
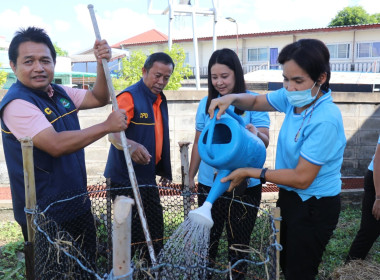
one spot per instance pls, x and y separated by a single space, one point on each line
200 118
277 99
260 119
24 119
257 118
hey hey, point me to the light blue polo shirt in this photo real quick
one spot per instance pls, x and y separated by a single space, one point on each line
258 119
321 141
370 167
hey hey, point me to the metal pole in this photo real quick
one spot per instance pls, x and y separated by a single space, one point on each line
171 16
237 33
215 4
131 172
237 39
195 42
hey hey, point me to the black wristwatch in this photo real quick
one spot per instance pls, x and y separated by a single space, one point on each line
262 176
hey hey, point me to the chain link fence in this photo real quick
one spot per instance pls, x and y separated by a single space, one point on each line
74 237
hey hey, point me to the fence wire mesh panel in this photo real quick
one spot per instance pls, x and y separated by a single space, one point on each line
74 238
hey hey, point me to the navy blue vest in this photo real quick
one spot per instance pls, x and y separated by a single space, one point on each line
142 130
53 175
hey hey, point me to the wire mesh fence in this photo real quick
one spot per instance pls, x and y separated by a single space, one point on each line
74 238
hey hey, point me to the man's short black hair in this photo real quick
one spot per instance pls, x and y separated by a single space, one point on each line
31 34
158 57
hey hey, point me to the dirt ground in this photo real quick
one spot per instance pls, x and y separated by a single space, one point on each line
6 215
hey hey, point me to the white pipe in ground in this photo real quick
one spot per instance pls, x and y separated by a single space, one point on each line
121 238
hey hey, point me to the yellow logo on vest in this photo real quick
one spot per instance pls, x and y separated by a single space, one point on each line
144 115
48 111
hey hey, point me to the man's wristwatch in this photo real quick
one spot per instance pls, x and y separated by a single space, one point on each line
262 176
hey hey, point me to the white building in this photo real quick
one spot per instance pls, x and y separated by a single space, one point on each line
352 48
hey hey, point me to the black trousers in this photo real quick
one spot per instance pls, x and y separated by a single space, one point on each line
306 228
369 229
154 216
239 220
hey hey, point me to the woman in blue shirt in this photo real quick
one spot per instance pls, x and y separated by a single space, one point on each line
309 154
370 222
225 76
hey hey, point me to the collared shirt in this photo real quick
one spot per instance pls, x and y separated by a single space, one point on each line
321 141
25 119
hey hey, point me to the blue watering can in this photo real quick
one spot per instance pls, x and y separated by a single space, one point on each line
226 145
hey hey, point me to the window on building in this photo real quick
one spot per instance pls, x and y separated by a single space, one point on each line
187 59
259 54
368 49
339 50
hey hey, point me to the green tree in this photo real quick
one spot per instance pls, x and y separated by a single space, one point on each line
130 72
132 69
3 77
181 71
376 17
353 16
60 51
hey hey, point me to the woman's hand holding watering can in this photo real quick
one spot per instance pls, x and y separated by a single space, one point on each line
236 177
222 103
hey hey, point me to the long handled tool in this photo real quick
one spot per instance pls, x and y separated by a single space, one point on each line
128 160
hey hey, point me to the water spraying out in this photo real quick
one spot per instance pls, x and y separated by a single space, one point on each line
226 145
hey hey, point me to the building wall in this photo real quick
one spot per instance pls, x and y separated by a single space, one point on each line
279 40
361 116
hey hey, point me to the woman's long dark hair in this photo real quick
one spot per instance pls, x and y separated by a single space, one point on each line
230 59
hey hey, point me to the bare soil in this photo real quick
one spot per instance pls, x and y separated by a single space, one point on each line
6 215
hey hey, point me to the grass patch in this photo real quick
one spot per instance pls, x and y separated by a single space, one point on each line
9 232
339 244
12 260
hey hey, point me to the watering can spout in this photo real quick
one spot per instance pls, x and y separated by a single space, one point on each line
202 215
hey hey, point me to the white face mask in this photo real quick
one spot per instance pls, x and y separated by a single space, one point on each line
301 98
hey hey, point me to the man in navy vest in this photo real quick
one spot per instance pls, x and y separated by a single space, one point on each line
48 113
148 135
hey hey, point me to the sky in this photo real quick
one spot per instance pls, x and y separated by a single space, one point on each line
69 25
